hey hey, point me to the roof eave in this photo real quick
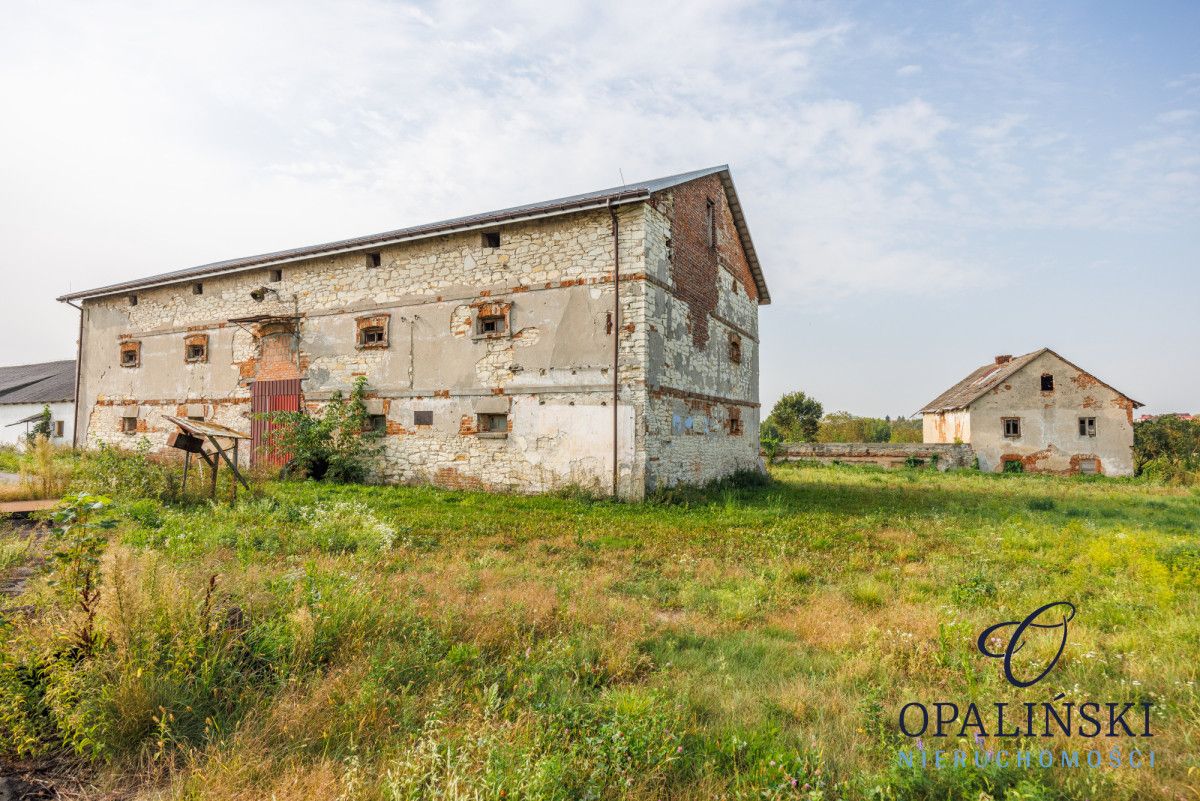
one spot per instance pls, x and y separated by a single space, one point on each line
615 199
739 220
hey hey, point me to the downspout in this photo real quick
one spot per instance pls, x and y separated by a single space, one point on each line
78 372
616 338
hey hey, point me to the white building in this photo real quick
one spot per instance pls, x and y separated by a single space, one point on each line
26 389
1036 413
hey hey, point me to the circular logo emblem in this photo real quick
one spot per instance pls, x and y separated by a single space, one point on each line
1052 616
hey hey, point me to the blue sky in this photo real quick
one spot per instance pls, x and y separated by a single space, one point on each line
927 186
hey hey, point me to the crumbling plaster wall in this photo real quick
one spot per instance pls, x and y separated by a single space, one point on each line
698 298
952 426
554 364
1050 439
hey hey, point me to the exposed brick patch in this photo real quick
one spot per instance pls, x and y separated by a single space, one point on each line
695 264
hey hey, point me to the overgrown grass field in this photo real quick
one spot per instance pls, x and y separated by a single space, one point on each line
753 641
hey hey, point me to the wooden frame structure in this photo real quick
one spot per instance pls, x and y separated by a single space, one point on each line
191 438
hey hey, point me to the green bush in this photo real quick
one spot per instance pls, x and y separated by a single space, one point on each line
335 444
126 474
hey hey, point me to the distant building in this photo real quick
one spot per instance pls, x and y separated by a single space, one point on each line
1038 410
498 349
26 389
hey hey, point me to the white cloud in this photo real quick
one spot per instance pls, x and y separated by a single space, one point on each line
908 70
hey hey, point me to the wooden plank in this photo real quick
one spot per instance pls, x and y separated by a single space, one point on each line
23 507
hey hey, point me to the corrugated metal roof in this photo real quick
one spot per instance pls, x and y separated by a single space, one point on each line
986 378
46 382
617 195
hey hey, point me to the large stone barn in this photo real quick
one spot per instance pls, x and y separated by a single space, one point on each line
1039 413
525 349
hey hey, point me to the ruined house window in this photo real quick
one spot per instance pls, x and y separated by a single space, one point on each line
1047 382
735 422
423 417
131 354
1087 426
710 223
492 423
491 239
129 425
490 324
735 349
195 348
133 300
374 259
377 423
197 288
58 428
276 276
1012 427
1089 467
372 331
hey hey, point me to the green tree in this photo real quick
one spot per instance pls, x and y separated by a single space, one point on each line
794 418
42 427
1167 447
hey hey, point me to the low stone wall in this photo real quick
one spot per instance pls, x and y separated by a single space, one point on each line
884 454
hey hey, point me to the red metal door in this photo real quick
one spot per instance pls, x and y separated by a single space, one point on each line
266 397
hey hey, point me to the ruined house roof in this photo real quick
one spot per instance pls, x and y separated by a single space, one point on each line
986 378
48 382
630 193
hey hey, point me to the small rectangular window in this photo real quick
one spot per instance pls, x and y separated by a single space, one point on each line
131 354
493 423
276 276
195 348
374 259
197 288
491 239
423 417
1047 382
58 428
377 423
196 353
133 300
128 425
374 335
710 223
491 324
735 422
1089 467
1012 427
1087 426
735 349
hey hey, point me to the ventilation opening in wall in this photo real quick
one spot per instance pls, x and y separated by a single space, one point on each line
133 300
129 425
492 424
374 259
491 239
1047 382
197 352
491 324
276 276
197 288
58 428
377 423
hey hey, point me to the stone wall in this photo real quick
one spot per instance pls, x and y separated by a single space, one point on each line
702 410
884 454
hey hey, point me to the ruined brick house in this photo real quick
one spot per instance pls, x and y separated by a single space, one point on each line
1039 412
499 351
